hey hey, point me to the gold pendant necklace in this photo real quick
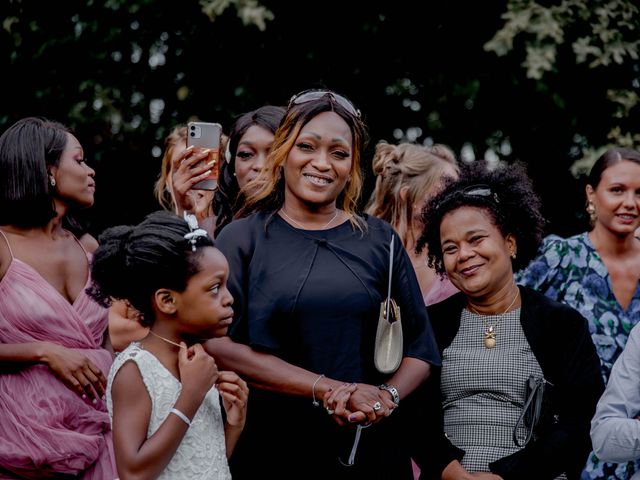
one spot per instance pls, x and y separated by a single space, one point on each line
489 334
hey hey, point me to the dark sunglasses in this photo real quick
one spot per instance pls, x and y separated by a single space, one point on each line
311 95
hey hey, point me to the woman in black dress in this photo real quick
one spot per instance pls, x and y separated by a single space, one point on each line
308 275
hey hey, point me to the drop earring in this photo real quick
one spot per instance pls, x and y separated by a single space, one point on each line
52 181
591 210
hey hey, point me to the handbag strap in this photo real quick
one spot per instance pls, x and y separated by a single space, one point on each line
393 237
527 405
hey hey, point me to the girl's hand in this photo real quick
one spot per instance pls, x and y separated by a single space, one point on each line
234 393
189 168
198 372
335 402
75 370
486 476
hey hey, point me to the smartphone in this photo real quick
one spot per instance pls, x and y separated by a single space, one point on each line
206 135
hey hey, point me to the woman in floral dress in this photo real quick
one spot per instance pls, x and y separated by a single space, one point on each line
598 272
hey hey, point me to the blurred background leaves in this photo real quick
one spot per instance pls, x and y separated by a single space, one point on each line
549 83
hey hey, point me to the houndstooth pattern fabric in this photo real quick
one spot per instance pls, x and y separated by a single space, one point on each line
483 389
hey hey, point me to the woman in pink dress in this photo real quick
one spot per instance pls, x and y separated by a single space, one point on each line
53 419
407 176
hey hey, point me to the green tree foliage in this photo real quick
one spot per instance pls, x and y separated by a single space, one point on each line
122 74
601 34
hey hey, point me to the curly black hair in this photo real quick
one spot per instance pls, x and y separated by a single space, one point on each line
133 262
505 193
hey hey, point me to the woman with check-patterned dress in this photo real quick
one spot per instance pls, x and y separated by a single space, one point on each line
493 336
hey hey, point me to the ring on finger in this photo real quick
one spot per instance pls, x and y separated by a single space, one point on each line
329 411
376 406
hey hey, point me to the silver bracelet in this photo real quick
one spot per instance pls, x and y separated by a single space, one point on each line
315 402
395 396
181 416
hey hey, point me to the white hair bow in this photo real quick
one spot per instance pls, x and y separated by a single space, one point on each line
195 230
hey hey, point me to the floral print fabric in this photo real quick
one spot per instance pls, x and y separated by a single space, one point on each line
571 271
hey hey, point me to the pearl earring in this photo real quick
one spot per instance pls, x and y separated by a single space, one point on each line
52 181
591 210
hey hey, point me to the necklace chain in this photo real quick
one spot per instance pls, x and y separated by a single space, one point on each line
166 339
490 330
303 226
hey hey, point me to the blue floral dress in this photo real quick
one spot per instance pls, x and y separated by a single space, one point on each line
571 271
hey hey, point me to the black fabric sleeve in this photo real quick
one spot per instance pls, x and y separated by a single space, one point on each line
236 243
430 448
419 340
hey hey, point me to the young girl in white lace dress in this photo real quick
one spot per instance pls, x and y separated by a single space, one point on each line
165 392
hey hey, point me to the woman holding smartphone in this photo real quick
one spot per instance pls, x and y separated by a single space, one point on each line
247 147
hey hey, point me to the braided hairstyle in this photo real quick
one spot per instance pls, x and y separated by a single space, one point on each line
417 169
133 262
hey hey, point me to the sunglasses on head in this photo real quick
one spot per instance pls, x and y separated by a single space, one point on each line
480 191
311 95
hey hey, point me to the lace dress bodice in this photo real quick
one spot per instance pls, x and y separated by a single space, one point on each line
202 452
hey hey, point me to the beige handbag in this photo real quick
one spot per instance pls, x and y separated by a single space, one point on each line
388 347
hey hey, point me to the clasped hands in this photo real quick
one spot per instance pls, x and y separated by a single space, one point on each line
358 403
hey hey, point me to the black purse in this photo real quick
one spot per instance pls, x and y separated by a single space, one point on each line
532 408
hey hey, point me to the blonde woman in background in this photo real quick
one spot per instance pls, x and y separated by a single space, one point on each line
174 144
407 176
173 187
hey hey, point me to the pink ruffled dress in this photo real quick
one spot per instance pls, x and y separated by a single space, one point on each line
47 430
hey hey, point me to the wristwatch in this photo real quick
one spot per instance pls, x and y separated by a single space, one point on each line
395 396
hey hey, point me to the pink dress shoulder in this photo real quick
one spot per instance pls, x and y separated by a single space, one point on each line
440 290
45 428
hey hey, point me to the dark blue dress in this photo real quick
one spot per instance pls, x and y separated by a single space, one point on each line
312 298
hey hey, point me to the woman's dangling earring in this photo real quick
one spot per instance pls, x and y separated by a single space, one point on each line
591 210
513 254
52 181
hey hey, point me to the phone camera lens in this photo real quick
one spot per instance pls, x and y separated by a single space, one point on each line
192 134
193 127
